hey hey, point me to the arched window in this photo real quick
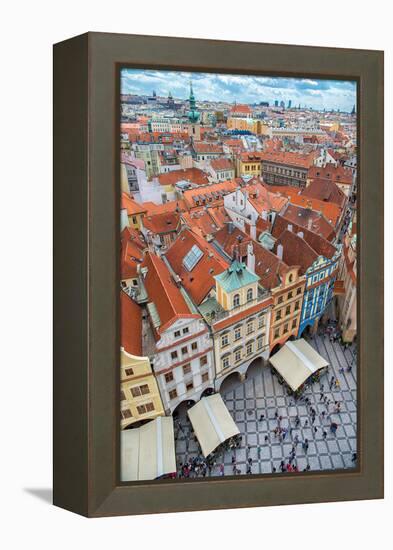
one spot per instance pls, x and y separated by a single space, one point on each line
249 295
236 300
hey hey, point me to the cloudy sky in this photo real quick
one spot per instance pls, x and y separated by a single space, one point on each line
319 94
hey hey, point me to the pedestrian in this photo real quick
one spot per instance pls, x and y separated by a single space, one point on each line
274 469
250 461
306 423
324 433
354 457
221 469
321 396
262 418
266 438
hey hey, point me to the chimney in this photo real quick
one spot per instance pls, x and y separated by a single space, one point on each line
309 224
230 228
253 232
290 227
280 251
250 258
301 234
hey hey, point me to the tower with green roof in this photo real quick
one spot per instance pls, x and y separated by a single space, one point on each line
193 117
237 286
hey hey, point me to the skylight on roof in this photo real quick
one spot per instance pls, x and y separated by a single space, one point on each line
192 257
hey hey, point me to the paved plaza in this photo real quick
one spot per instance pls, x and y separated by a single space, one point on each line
261 393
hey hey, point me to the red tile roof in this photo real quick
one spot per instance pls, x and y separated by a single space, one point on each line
295 250
130 325
167 222
232 240
320 245
130 205
338 174
325 190
208 194
289 158
201 147
163 292
200 222
330 210
193 175
198 282
241 109
170 206
221 164
309 219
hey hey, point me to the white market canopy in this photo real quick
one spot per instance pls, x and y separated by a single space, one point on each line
148 452
212 423
296 362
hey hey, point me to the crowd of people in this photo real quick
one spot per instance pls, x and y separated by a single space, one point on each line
286 429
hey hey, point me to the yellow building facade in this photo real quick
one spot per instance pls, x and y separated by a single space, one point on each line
140 398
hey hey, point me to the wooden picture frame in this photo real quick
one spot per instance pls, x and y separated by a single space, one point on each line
86 319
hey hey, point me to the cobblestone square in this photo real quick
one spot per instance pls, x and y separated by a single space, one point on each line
261 393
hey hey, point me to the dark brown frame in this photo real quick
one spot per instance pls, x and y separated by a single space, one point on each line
86 208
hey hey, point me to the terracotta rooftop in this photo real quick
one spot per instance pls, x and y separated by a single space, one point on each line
208 194
130 325
289 158
131 206
193 175
163 292
296 251
325 190
309 219
221 164
167 222
199 280
320 245
338 174
201 147
241 109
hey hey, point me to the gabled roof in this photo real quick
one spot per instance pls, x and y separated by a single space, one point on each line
289 158
309 219
338 174
163 292
232 240
201 147
130 325
331 211
241 109
325 190
130 205
320 245
235 277
295 250
198 281
269 267
208 194
221 164
168 222
201 222
193 175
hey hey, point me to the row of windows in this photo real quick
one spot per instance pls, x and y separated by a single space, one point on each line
290 294
280 313
178 333
252 167
189 386
142 409
184 350
186 369
237 332
284 171
238 353
236 298
285 329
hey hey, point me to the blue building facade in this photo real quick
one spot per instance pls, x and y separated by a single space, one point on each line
318 293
